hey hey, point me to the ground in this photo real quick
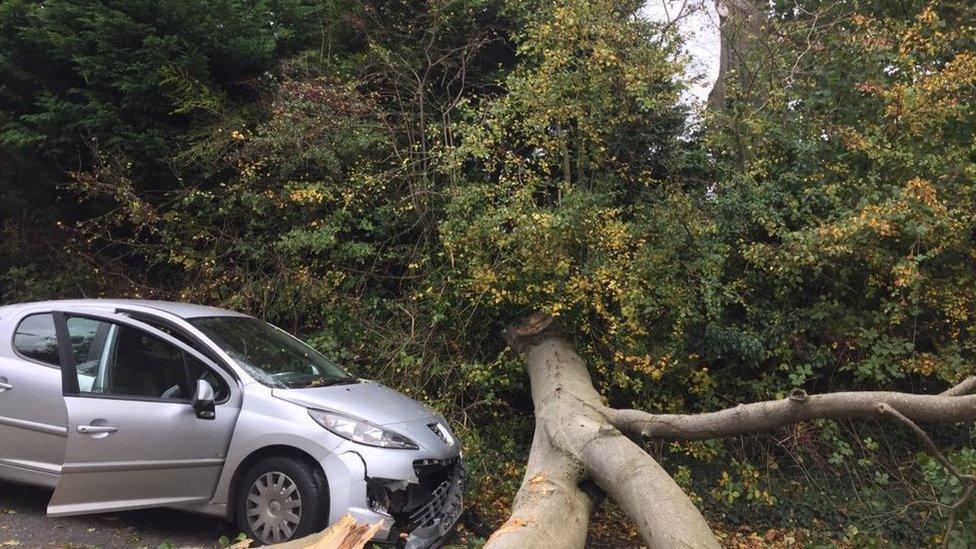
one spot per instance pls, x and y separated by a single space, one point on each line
23 524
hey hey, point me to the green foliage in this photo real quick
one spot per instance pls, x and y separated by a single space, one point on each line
136 80
568 200
845 201
398 181
226 541
133 75
950 492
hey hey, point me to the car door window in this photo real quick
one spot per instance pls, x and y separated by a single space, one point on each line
89 340
120 360
36 339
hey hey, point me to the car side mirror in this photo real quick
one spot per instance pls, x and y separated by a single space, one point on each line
203 400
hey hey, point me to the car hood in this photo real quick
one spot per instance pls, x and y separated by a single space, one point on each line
369 400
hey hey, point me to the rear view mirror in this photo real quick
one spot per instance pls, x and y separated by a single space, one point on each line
203 400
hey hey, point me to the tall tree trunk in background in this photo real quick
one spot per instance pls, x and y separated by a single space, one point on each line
579 440
739 21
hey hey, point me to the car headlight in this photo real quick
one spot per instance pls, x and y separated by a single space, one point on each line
361 431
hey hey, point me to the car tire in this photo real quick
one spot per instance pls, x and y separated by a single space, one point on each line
270 493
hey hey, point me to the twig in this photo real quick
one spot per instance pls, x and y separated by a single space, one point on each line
967 496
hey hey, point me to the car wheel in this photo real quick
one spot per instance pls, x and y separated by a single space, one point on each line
280 499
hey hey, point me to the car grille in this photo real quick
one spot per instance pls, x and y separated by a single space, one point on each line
445 499
426 510
439 469
433 497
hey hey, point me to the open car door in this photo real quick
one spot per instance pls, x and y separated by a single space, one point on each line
135 439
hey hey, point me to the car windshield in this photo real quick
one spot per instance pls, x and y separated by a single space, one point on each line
270 355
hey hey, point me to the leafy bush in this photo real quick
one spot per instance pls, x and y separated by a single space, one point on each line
397 181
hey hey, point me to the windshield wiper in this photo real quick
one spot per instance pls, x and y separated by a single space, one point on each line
334 381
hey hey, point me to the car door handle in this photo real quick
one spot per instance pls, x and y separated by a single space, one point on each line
96 429
4 386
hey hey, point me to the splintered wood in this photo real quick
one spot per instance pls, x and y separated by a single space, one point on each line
346 533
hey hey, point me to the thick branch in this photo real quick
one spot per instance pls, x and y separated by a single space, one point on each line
967 386
764 416
665 517
569 411
549 509
578 439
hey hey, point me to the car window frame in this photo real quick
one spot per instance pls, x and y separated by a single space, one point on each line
205 345
57 335
69 372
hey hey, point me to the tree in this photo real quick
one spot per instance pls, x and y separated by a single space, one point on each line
579 439
133 80
739 27
137 77
835 208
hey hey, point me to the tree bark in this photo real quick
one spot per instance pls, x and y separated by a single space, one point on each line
739 22
579 439
966 387
550 509
573 433
765 416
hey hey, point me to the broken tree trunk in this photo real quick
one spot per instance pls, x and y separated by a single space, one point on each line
574 442
579 440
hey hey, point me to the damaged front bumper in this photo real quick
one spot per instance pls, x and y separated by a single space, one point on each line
417 494
417 510
424 512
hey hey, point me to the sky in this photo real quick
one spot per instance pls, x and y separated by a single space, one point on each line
697 21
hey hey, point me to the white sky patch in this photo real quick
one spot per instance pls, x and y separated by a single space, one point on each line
697 22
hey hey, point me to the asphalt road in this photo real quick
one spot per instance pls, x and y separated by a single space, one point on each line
23 525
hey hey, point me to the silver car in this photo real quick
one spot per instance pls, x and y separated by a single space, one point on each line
123 404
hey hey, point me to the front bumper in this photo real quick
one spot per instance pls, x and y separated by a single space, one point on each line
424 513
416 513
437 518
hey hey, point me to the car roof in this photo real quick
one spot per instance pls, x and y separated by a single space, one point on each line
182 310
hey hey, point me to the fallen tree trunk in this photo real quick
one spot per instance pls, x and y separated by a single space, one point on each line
574 442
578 439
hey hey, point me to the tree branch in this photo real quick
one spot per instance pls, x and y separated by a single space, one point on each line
965 387
763 416
579 439
573 441
970 480
664 515
550 510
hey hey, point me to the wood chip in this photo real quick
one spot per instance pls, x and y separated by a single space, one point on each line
346 534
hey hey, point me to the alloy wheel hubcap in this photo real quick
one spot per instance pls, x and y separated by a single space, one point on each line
274 507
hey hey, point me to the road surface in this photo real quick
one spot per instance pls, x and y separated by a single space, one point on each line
24 526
